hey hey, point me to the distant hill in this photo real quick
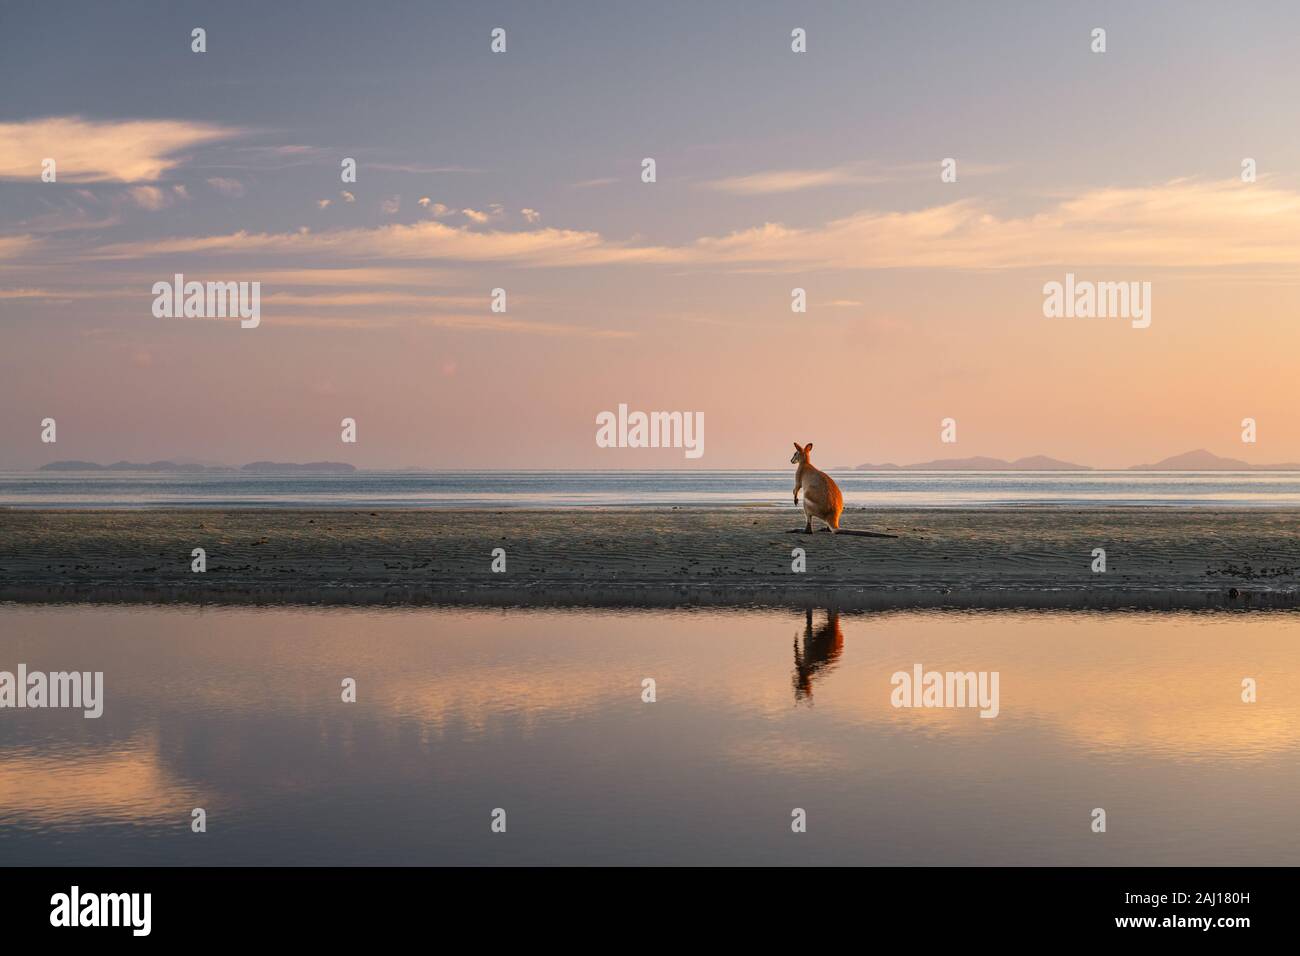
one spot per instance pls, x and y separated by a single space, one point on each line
1202 460
194 468
979 463
189 469
164 466
311 467
71 466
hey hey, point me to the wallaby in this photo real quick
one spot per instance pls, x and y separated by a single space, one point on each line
821 496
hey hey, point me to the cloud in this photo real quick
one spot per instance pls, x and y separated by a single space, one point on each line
227 186
475 322
793 180
589 183
347 196
798 180
532 215
422 170
323 203
71 217
425 299
498 323
30 294
420 277
128 151
267 158
149 197
1181 223
436 208
473 215
390 207
425 240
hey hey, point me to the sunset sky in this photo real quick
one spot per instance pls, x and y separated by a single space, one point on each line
522 170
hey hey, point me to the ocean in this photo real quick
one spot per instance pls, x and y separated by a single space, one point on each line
544 716
568 489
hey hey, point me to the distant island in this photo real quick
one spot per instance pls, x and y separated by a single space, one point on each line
1202 460
1198 460
1033 463
190 468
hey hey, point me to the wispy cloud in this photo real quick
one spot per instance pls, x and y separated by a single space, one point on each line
1162 225
498 323
267 158
149 197
468 322
1152 226
12 247
794 180
416 168
84 151
797 180
227 186
425 240
71 217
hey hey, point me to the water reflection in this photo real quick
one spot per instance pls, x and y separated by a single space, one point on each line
541 712
821 649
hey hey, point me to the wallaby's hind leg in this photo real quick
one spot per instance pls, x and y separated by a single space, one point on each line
808 527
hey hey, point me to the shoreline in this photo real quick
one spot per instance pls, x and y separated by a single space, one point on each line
1017 557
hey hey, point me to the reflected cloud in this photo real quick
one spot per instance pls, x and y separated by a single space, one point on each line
78 787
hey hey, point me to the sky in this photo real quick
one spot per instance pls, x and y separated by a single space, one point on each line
522 170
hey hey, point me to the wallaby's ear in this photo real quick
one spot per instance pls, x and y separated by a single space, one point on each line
807 448
796 447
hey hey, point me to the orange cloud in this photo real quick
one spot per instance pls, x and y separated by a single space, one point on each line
792 180
12 247
85 151
416 241
1179 224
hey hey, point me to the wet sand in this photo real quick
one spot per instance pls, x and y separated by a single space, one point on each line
1024 557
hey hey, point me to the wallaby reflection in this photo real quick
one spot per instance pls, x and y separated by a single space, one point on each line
821 650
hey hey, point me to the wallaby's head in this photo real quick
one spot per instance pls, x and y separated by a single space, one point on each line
800 454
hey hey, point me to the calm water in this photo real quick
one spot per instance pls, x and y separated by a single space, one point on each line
550 489
540 713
